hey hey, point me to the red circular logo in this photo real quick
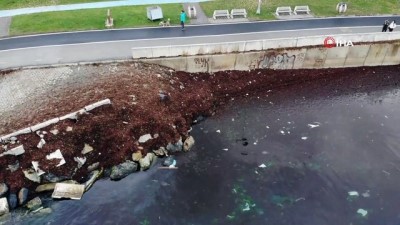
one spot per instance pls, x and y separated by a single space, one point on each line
329 42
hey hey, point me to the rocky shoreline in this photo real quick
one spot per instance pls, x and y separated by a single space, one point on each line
150 116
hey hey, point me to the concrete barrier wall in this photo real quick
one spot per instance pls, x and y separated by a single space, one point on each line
294 53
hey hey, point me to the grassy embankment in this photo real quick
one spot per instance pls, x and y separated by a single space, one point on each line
88 19
319 8
14 4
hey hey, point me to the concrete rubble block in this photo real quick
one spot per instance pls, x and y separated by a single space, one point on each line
80 160
34 203
41 143
188 144
44 124
376 54
145 138
23 196
16 133
86 149
56 155
146 162
3 189
31 175
54 132
93 166
92 178
14 151
4 209
97 104
35 165
71 191
45 187
70 116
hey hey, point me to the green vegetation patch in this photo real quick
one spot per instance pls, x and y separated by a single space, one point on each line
88 19
318 8
14 4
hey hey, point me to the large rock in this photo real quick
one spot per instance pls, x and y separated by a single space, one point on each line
122 170
12 201
188 144
3 189
23 196
137 156
49 177
177 147
160 152
4 209
146 161
15 151
34 203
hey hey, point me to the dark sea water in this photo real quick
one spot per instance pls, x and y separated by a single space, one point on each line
288 157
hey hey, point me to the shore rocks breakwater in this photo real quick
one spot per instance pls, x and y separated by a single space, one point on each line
150 116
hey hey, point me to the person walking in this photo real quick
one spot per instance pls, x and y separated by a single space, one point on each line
183 19
392 25
385 26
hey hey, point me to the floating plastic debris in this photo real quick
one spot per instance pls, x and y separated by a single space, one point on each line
366 194
218 131
353 193
362 212
262 166
225 149
314 125
304 138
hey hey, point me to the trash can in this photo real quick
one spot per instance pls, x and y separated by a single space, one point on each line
154 13
341 7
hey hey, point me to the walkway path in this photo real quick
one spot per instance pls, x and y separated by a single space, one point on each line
94 5
197 30
5 26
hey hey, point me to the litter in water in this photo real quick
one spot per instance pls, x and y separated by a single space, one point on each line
314 125
362 212
304 138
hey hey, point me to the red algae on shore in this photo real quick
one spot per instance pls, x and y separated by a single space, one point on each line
114 130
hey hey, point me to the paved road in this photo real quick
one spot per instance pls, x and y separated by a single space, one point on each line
173 32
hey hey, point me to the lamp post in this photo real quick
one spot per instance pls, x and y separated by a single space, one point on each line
259 7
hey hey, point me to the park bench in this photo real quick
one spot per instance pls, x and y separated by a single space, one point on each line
283 9
238 12
302 9
221 13
109 20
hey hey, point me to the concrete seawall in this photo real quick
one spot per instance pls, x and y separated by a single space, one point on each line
370 49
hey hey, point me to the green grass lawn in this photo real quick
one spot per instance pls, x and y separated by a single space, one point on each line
87 19
14 4
318 8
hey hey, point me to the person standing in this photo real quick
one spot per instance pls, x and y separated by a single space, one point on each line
392 25
385 26
183 19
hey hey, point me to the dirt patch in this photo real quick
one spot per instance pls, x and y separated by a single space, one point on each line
113 131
